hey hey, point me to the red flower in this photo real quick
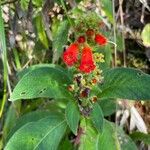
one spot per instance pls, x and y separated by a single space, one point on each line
70 56
100 39
87 63
90 32
81 39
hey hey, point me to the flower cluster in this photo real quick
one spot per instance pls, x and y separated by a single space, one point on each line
81 53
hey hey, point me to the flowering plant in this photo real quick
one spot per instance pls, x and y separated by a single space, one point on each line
80 95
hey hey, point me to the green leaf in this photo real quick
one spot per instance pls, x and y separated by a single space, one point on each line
107 6
108 139
24 4
72 116
88 138
125 83
37 3
139 136
126 143
11 117
42 82
60 39
40 30
97 117
146 35
29 117
33 67
108 106
44 134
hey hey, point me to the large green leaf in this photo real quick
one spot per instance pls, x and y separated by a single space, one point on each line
33 67
114 138
42 82
44 134
92 140
73 116
60 39
125 83
126 143
97 117
88 136
108 139
29 117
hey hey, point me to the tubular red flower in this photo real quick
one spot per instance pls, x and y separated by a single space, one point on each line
87 63
70 56
100 39
81 39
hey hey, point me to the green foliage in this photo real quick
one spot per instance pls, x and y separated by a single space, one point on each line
125 83
126 143
72 116
40 30
146 35
29 117
108 9
41 134
88 136
108 139
97 117
11 117
42 82
60 39
108 106
139 136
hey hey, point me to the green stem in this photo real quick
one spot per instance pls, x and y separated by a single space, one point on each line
17 61
4 59
64 7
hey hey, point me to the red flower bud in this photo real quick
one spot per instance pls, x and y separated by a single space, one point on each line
70 56
81 39
100 39
87 63
90 32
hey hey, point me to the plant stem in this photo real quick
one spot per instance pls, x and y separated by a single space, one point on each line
4 59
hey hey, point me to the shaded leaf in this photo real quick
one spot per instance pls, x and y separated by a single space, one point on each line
108 106
72 116
125 83
139 136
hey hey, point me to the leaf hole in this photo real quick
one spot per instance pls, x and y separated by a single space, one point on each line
42 90
22 93
139 74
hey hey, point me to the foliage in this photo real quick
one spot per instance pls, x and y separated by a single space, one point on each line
66 100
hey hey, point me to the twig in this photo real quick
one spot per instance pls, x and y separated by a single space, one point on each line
122 23
114 32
